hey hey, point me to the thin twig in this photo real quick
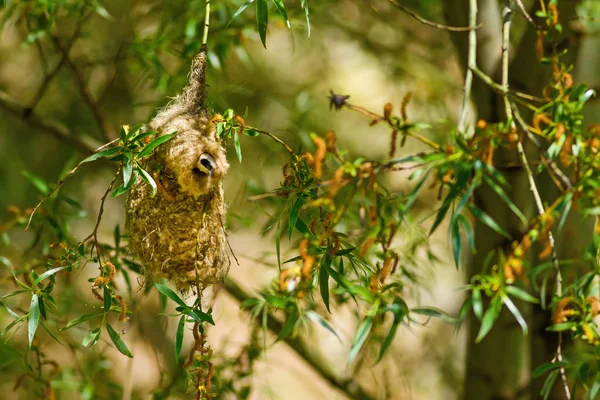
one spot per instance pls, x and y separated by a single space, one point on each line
471 64
525 13
94 233
507 13
105 128
52 74
275 138
434 24
380 118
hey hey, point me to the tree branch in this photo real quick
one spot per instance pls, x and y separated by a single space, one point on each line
107 131
54 128
348 386
434 24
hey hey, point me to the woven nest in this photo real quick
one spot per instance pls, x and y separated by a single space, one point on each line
179 234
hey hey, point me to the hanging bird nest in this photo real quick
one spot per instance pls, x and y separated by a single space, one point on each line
179 233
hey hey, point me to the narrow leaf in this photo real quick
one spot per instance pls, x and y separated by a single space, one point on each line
170 294
487 220
116 339
102 154
281 8
147 150
78 320
321 321
179 337
294 213
516 313
33 318
146 176
262 19
521 294
360 338
489 318
238 147
49 273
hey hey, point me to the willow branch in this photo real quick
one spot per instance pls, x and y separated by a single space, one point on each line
471 64
84 144
507 14
349 387
275 138
434 24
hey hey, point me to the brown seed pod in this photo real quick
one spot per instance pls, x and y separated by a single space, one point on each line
179 233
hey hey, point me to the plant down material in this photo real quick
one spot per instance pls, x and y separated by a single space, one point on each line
179 233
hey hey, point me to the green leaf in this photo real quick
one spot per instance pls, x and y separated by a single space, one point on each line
502 194
455 236
198 316
107 299
179 338
549 366
294 213
33 318
278 243
102 154
303 228
304 4
288 327
434 312
516 313
593 391
15 293
413 195
116 339
146 176
281 8
477 304
251 132
49 273
547 388
36 181
170 294
324 279
487 220
489 318
238 148
240 10
147 150
49 332
82 318
262 19
389 338
11 325
563 326
521 294
91 338
127 171
313 316
124 189
455 190
468 230
361 336
400 310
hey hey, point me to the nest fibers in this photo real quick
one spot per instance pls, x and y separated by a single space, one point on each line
179 234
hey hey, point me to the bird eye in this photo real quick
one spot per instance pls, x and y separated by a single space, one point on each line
208 162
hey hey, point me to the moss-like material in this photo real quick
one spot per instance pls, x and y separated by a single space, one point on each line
179 234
